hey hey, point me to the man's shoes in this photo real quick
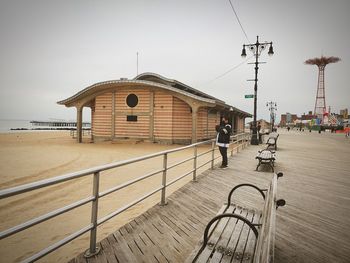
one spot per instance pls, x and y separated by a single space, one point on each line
223 167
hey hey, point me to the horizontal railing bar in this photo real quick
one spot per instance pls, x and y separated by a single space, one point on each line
180 177
200 166
217 157
204 153
116 188
35 221
58 244
181 162
120 210
40 184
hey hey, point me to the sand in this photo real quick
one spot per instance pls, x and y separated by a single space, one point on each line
29 157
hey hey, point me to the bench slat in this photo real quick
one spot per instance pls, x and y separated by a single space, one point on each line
243 238
215 235
251 243
222 246
230 249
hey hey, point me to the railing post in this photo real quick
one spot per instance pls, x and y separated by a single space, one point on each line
195 164
231 144
94 249
165 165
212 154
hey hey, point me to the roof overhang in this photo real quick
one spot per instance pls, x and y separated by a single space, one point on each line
105 86
155 81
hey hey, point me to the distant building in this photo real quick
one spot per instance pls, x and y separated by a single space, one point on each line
287 119
307 117
153 108
344 113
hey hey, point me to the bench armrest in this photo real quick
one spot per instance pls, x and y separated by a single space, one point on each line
261 191
216 218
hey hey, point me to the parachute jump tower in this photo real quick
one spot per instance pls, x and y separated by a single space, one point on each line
320 103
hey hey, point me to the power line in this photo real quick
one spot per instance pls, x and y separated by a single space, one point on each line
234 11
228 71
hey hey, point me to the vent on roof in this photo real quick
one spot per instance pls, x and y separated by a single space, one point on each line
123 78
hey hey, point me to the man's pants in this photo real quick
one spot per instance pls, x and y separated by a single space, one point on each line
223 152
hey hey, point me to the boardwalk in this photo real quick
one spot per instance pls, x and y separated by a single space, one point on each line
314 226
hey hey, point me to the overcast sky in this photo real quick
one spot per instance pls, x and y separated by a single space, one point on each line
50 50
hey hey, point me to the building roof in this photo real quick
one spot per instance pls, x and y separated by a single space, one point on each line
174 83
151 80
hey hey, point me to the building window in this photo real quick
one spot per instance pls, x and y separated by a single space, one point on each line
132 100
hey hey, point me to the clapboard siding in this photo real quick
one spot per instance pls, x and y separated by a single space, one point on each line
163 109
182 120
143 100
130 129
213 120
240 124
160 117
202 123
102 117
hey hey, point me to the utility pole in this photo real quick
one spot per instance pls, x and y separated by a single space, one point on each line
256 48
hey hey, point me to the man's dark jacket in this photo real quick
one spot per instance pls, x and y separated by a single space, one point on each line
224 133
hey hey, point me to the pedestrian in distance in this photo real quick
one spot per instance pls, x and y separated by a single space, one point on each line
259 133
223 140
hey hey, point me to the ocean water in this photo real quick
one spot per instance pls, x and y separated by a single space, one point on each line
7 125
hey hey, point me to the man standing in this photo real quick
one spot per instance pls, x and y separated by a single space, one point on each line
223 140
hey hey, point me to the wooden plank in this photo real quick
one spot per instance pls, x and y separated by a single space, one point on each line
235 236
150 235
221 246
150 252
107 250
239 251
128 253
251 243
121 253
214 235
199 244
177 240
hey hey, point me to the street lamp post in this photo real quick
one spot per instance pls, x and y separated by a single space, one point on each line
256 48
272 107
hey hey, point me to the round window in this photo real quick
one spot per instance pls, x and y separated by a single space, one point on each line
132 100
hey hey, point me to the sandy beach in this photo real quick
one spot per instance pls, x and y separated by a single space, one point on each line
29 157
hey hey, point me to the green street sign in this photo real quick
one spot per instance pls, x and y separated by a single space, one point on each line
249 96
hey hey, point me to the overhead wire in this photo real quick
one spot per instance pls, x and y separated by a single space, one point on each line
228 71
239 22
235 67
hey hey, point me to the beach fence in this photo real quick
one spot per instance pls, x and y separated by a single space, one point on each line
239 141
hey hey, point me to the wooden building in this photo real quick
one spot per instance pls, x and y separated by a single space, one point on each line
152 108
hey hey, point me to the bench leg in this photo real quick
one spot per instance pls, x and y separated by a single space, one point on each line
258 165
271 165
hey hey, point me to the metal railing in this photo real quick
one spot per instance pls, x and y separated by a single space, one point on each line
238 141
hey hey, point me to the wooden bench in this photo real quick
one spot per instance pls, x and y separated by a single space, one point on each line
272 141
267 157
238 234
